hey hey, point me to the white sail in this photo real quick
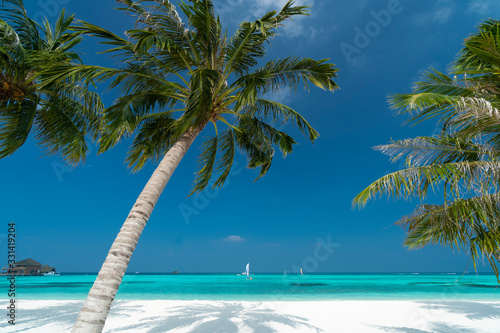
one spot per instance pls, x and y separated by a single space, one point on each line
248 269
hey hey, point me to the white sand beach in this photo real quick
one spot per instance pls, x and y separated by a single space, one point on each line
224 316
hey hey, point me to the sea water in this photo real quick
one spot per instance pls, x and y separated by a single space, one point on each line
264 287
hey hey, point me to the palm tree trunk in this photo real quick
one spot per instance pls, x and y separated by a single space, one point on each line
96 308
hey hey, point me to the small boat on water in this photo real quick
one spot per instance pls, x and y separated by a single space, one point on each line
247 271
301 273
51 273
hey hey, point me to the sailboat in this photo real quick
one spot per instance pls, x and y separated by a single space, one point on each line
248 272
301 273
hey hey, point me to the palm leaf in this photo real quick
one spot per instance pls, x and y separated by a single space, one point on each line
278 112
154 137
438 150
416 181
207 162
227 147
16 121
465 224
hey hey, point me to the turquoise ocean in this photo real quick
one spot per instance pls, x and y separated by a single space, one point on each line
265 287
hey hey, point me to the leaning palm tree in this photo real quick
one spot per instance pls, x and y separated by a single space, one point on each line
463 160
176 79
60 112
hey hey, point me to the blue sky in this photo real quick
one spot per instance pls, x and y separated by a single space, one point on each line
68 218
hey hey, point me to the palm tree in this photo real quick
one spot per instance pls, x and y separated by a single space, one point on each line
463 160
176 79
60 112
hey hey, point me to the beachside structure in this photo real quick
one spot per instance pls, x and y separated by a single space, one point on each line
46 269
27 267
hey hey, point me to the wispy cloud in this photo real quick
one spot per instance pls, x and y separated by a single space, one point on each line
438 15
234 239
484 7
293 29
442 15
260 7
284 95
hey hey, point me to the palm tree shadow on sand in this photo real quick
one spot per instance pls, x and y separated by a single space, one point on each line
221 318
36 318
471 310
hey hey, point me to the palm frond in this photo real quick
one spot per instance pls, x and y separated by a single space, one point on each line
154 137
128 112
200 100
258 139
289 72
259 128
85 103
75 73
16 121
207 162
465 224
206 32
60 111
278 112
61 128
27 29
259 150
120 45
458 178
246 46
227 147
438 150
463 160
481 51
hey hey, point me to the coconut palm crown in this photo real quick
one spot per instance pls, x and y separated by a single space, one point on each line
176 78
179 76
62 112
463 161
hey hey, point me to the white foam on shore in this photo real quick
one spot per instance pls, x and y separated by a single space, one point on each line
226 316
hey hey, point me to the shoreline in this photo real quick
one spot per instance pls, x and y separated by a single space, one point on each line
269 316
490 299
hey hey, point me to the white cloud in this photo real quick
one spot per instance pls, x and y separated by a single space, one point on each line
484 7
442 15
284 95
260 7
437 15
234 238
